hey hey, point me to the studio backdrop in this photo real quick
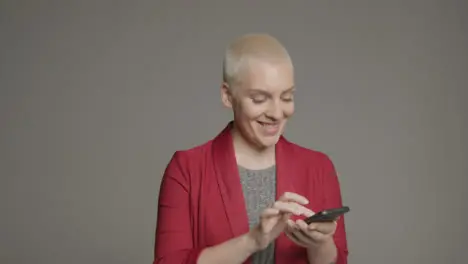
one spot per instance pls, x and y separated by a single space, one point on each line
95 97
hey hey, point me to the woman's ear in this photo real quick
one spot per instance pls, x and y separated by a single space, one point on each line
226 95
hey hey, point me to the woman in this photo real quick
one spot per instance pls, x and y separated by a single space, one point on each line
242 196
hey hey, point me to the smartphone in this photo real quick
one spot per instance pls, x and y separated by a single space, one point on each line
328 215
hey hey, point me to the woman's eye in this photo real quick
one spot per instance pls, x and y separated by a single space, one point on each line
258 100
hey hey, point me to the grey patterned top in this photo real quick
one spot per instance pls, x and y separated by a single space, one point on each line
259 187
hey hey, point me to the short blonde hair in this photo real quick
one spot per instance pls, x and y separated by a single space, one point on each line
254 46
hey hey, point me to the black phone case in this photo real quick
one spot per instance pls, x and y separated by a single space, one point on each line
328 215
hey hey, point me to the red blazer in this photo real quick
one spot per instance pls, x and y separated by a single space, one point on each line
201 202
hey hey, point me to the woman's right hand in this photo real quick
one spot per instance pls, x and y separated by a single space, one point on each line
273 220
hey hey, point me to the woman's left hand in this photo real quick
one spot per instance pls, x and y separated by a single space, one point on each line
311 235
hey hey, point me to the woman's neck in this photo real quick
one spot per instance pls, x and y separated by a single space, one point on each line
249 156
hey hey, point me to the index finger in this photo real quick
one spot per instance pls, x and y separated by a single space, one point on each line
294 197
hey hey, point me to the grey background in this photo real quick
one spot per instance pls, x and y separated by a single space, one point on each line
97 95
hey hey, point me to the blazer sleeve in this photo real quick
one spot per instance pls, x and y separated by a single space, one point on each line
332 199
174 236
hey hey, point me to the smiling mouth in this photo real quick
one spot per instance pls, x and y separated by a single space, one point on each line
266 124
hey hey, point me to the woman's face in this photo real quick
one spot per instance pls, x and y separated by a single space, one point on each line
263 101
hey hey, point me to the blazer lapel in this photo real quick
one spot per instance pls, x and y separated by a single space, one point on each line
227 176
285 167
286 172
